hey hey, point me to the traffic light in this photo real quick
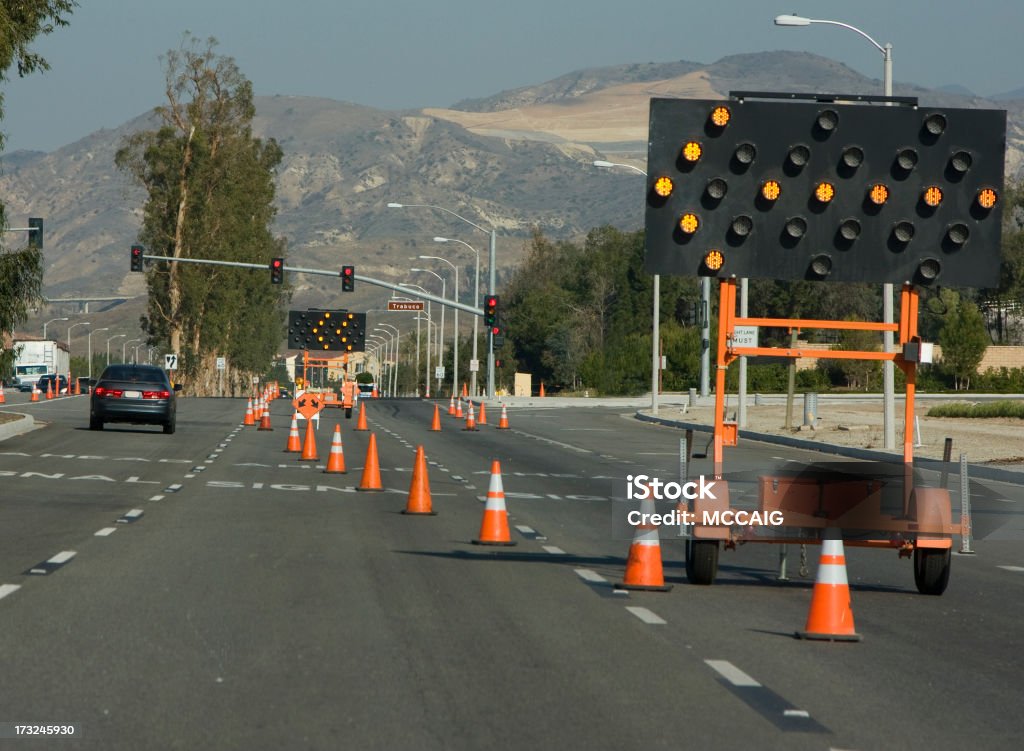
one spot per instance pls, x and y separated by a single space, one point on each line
814 188
35 232
277 271
327 330
348 278
136 256
491 310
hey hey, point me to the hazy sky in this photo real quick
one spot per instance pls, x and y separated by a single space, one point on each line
398 54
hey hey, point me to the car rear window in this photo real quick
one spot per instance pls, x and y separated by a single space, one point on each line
133 373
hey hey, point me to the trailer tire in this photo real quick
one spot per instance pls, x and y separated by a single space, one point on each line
701 561
931 569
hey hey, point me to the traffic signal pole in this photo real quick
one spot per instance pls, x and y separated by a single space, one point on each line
326 272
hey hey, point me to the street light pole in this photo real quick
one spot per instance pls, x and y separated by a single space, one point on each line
476 304
49 322
115 336
70 328
888 289
394 373
455 326
430 320
440 331
91 332
492 247
124 349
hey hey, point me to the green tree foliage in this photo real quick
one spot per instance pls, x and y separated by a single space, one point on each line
21 271
211 192
964 340
578 316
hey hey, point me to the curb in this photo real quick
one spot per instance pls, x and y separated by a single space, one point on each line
16 427
976 471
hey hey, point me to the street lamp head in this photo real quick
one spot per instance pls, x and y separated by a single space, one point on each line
396 205
602 163
791 20
442 239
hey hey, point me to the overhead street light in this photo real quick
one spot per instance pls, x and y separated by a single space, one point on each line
492 274
91 332
888 368
440 331
115 336
476 304
455 324
49 322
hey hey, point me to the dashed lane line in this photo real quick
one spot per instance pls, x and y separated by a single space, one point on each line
647 616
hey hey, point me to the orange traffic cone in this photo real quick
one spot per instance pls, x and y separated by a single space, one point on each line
249 419
419 489
643 567
78 388
309 445
265 419
458 410
336 460
503 422
35 394
435 426
494 528
830 617
257 409
371 468
361 421
49 389
294 445
465 391
451 405
542 388
482 418
2 397
375 394
470 419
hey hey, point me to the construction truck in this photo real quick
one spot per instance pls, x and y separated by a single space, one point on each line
35 358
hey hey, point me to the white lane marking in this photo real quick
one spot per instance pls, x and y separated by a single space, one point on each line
796 713
6 589
553 550
554 443
646 616
590 576
1011 568
130 516
189 477
173 488
525 530
731 673
157 498
593 430
106 531
657 453
62 557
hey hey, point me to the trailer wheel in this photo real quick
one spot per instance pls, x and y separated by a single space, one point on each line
931 570
701 561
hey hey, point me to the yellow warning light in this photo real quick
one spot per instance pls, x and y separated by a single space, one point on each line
319 338
824 192
720 116
327 315
878 194
987 198
714 260
351 316
692 151
932 196
689 223
770 189
663 187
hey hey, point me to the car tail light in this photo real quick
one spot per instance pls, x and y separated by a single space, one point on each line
156 394
110 393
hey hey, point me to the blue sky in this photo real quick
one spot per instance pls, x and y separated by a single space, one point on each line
398 54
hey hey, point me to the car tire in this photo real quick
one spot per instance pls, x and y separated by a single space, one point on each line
169 427
95 424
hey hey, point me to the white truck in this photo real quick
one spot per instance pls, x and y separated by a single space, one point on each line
36 358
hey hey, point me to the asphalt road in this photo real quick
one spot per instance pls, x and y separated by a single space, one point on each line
259 603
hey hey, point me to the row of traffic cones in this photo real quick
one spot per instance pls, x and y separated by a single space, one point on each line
830 617
471 420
